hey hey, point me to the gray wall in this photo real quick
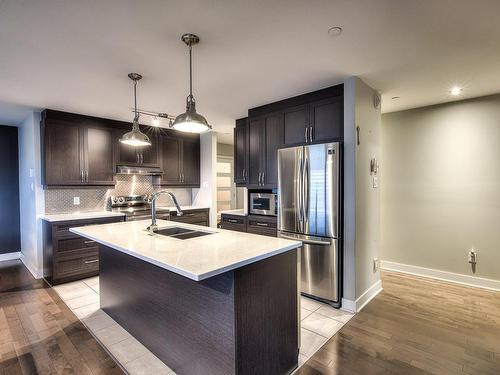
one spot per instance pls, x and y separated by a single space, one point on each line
440 183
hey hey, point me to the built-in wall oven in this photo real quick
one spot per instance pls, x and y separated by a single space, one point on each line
263 204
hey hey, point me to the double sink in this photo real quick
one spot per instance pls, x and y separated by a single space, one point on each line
181 233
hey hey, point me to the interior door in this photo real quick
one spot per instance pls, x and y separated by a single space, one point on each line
289 189
190 163
99 156
63 154
321 189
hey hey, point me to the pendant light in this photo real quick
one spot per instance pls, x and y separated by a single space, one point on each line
190 121
135 137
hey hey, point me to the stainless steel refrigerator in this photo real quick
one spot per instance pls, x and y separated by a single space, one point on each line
309 210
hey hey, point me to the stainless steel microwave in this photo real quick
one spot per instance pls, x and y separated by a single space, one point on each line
264 204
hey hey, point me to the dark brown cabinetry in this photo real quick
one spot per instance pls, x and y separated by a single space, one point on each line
180 160
197 216
147 156
256 224
76 153
263 143
240 152
67 256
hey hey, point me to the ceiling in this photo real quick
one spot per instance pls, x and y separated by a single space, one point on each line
75 55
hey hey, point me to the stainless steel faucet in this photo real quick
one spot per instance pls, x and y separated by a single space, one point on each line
153 225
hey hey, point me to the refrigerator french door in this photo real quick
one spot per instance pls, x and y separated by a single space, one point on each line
309 211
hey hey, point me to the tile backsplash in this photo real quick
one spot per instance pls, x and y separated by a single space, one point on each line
96 199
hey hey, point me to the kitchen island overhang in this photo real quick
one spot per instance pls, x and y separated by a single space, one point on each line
239 316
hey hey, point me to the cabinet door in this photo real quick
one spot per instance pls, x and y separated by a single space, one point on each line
127 155
63 154
272 140
327 119
170 161
240 151
98 154
190 163
149 154
255 150
295 125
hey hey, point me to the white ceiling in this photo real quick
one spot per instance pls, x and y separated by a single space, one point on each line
75 55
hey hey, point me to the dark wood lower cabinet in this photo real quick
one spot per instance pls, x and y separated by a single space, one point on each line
256 224
67 256
243 321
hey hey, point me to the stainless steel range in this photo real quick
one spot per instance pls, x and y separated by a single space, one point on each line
137 207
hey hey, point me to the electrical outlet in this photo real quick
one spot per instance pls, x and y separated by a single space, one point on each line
375 182
376 264
76 201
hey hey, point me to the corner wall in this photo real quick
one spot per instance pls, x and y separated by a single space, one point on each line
441 190
361 198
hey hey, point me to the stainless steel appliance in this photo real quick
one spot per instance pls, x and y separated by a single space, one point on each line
263 204
309 211
137 207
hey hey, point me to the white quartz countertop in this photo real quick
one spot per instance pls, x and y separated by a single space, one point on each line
80 216
183 208
238 212
195 258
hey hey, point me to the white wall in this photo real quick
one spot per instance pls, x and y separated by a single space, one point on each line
31 193
441 186
206 195
361 199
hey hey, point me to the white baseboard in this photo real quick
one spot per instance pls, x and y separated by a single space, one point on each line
10 256
451 277
348 305
368 295
37 274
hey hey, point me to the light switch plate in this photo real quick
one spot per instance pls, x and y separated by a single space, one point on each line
76 201
375 182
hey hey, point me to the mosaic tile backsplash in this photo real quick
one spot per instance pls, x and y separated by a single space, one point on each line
96 199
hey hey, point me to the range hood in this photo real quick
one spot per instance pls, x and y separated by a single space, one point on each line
138 169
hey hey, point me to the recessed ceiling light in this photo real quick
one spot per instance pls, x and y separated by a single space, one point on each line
455 91
395 97
335 31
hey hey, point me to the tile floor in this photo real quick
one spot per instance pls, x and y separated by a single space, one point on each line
319 322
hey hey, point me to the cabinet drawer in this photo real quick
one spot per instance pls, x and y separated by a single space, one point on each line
237 223
266 226
71 244
61 229
78 265
190 217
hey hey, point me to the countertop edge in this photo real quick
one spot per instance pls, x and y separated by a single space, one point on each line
194 277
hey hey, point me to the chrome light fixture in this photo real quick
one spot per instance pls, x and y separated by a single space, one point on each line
190 121
135 137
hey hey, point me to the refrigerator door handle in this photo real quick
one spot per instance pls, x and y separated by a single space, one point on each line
305 187
298 191
306 241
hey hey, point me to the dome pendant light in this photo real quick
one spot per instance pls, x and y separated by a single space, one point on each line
135 137
190 121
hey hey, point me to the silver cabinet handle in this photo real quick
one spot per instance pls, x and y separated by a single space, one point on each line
310 134
263 178
91 261
87 176
142 158
259 177
243 174
89 242
232 221
81 175
183 178
262 224
305 135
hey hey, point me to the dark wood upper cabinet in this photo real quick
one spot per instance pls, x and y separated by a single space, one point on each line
295 125
255 150
240 152
99 163
180 160
327 120
263 142
62 146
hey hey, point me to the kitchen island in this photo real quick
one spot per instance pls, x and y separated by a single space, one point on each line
218 302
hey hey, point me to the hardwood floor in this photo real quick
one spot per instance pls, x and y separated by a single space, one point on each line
38 332
417 326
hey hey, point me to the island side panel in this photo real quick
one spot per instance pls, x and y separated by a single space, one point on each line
266 316
189 325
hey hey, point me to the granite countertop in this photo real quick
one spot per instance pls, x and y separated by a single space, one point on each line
238 212
195 258
52 218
